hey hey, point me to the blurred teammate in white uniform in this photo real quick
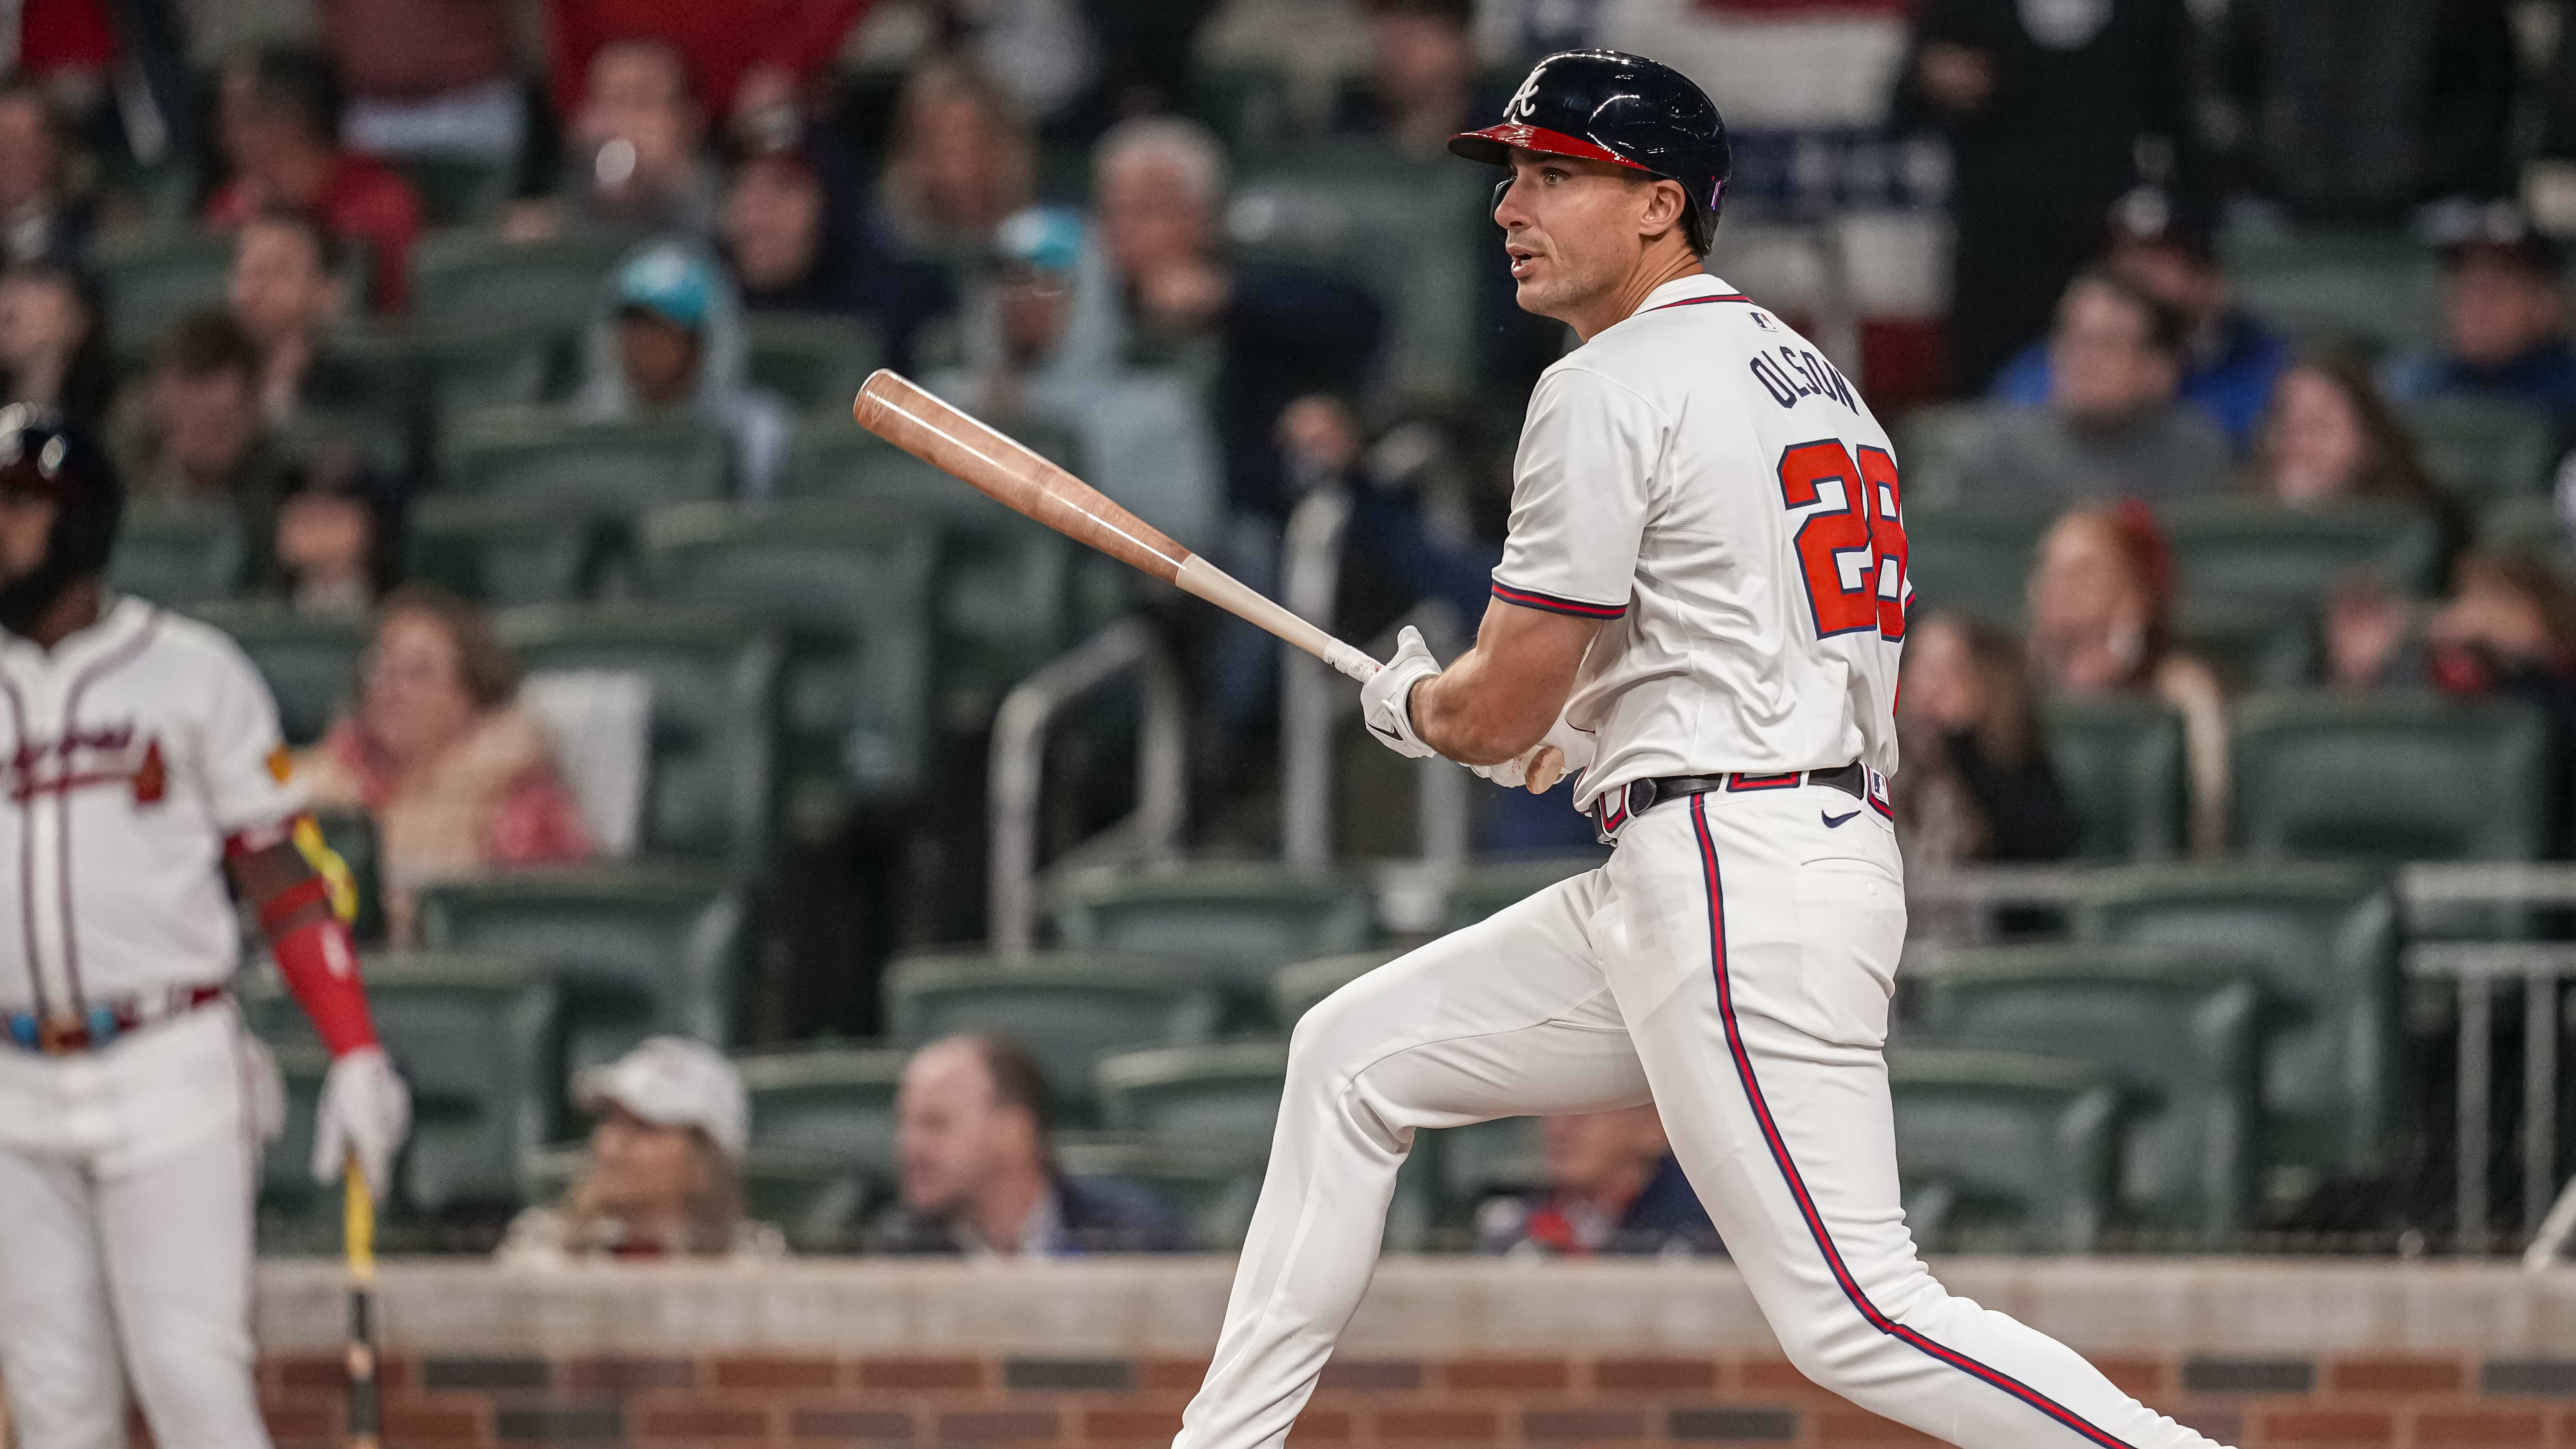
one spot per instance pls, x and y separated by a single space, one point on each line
1706 575
143 765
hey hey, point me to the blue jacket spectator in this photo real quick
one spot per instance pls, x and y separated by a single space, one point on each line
2504 316
2166 248
668 340
799 233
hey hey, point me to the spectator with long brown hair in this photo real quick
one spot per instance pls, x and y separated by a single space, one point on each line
962 160
1977 782
2329 435
2101 622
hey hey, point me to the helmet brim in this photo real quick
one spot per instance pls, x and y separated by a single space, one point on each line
1494 146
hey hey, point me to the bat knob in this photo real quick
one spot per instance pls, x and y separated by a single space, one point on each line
1545 768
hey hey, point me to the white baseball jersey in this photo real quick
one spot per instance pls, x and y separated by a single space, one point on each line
1701 477
133 748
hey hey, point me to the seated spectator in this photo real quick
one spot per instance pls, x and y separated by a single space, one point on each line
1423 85
2330 436
798 243
40 215
2167 247
194 431
2509 628
2504 322
53 342
1612 1187
455 776
960 162
637 151
744 55
2112 427
280 123
428 80
284 290
1273 332
668 342
2101 622
664 1175
973 1119
1977 782
1144 432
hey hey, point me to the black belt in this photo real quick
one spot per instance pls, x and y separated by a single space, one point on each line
1612 809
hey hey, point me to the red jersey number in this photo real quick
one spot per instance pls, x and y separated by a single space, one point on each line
1853 557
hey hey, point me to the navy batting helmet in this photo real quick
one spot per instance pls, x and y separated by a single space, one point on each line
42 456
1606 105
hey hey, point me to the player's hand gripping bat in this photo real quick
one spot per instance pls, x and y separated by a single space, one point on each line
896 409
358 1245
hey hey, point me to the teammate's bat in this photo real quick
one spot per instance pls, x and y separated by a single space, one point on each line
898 410
358 1245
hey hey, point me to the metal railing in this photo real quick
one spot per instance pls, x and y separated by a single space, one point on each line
1151 832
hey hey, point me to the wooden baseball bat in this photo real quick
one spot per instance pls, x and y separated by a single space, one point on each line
358 1245
896 409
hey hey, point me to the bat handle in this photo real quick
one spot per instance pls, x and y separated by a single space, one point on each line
1350 661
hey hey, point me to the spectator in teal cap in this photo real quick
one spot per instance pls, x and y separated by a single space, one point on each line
668 341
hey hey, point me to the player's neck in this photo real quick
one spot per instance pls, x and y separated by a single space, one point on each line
77 607
1655 266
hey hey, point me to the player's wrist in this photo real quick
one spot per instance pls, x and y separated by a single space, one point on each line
319 960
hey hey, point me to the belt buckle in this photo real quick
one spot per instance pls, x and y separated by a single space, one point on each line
61 1035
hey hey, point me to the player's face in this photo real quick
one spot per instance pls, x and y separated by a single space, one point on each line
1571 228
26 522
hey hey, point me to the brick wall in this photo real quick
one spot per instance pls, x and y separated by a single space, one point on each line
2400 1401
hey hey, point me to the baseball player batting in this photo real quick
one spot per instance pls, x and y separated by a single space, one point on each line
144 766
1701 602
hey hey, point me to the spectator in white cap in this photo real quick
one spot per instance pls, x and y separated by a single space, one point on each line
664 1179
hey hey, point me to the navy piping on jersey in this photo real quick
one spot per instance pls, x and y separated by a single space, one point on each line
1533 599
1698 301
1779 1147
26 834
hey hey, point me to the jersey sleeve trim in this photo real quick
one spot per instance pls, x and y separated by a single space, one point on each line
1533 599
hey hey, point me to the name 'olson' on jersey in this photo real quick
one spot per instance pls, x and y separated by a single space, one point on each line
1795 373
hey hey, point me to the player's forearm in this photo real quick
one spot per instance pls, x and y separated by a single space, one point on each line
1468 714
315 953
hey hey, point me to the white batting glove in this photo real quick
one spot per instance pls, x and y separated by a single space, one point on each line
366 1110
1575 750
1386 700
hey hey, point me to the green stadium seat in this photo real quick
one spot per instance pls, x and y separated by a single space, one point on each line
1971 561
178 556
467 366
1488 886
2483 450
506 551
1483 1159
1213 1191
310 661
616 468
2250 643
1299 988
814 360
2000 1150
295 1214
1235 922
2375 287
1069 1007
2251 550
473 276
814 1199
847 588
479 1037
834 1100
351 835
1932 441
715 679
2120 761
1246 105
2323 938
1224 1096
2177 1031
2390 777
153 277
643 949
457 190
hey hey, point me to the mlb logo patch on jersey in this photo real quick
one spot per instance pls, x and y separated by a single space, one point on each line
1762 319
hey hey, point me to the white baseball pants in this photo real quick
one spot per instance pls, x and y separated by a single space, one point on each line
127 1178
1731 963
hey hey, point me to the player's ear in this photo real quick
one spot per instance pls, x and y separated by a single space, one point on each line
1664 208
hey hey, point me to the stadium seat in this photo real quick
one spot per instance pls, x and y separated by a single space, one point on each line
2483 450
644 949
1246 105
310 661
1488 886
2251 550
1237 923
2250 643
505 551
814 360
178 556
619 468
351 835
1224 1096
472 276
834 1100
1998 1150
2390 777
456 190
847 587
1478 1161
713 791
1297 989
1971 561
2179 1032
479 1037
1213 1190
1069 1007
295 1214
2120 761
2375 287
2323 938
1931 441
467 366
814 1199
152 277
